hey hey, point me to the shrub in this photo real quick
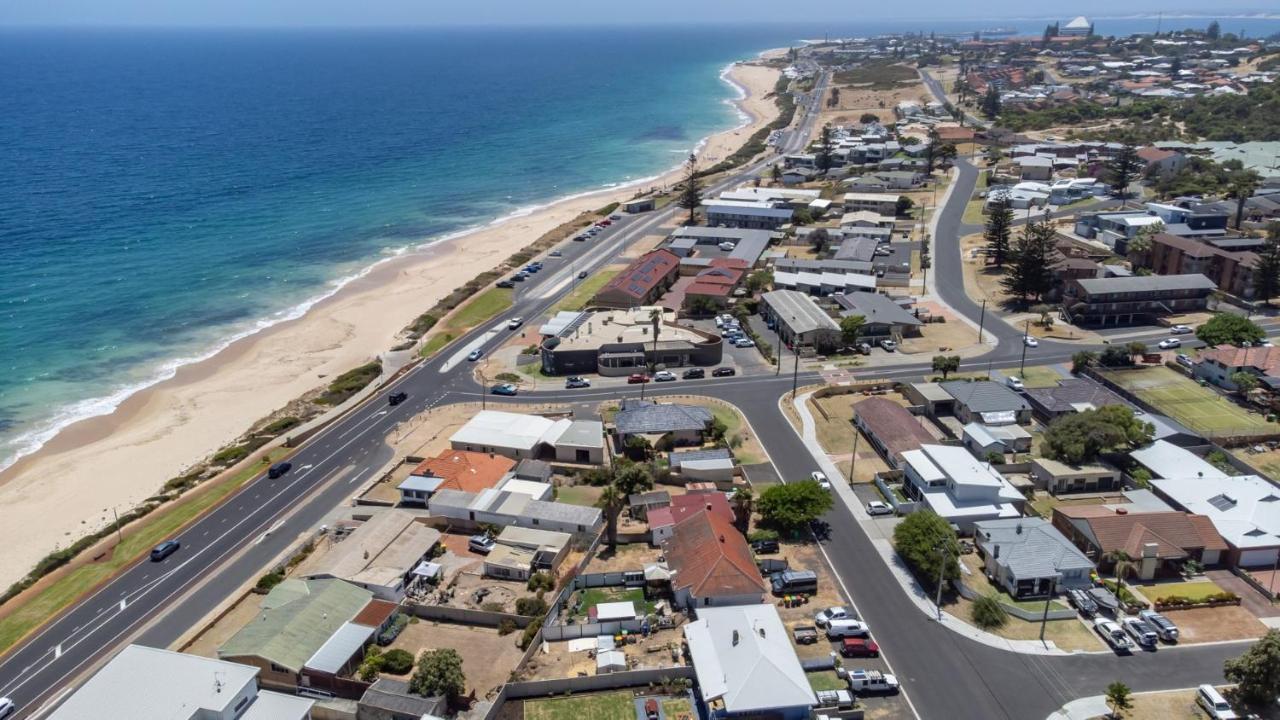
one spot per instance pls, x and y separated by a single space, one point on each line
987 612
397 661
371 665
507 377
506 627
349 383
268 581
278 426
762 534
541 581
531 606
495 607
530 633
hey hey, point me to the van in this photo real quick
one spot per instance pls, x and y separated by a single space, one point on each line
847 627
1208 697
794 581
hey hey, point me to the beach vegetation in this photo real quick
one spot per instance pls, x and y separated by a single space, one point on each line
607 209
349 383
880 75
278 426
235 453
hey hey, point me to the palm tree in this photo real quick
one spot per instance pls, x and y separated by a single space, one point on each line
611 501
743 503
1122 561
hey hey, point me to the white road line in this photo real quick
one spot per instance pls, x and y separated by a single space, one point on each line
465 350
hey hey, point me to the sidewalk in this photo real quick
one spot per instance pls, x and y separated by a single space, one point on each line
1083 709
884 546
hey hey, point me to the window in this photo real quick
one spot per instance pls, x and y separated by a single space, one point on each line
243 701
278 668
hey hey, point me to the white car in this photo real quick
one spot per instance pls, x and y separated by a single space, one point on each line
888 345
1030 341
664 376
1113 635
7 707
1141 632
1014 382
879 507
838 612
556 253
514 323
821 478
727 246
1170 343
744 342
1179 330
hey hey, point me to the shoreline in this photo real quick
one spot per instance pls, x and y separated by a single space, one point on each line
118 458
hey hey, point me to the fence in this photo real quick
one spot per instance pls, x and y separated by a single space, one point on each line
629 578
558 631
1248 577
903 507
590 683
969 593
465 616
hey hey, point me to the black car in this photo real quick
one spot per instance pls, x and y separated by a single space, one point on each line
396 398
765 547
164 550
694 374
723 372
582 274
279 469
505 284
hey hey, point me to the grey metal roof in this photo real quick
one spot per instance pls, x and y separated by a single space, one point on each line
876 309
798 311
1071 392
676 458
649 498
714 234
664 418
1147 283
984 396
835 266
528 469
1029 547
394 696
339 648
582 433
861 249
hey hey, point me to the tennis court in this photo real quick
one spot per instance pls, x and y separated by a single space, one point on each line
1184 400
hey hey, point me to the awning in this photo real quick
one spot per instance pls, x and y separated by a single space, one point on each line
427 569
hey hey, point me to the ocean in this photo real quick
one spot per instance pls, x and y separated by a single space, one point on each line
163 192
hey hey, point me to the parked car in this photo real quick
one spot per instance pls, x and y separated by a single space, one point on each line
505 389
888 345
664 376
847 627
7 708
582 274
765 547
637 378
1014 382
481 544
821 478
574 382
879 507
1208 697
805 634
396 398
1184 360
694 374
723 372
1030 341
651 709
1170 343
1163 626
515 322
1142 633
835 612
505 284
475 355
1179 330
1081 601
859 647
864 348
744 342
279 469
727 246
164 550
1113 635
872 681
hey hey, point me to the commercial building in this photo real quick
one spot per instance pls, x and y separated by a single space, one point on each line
640 283
620 342
379 555
799 321
746 665
757 215
959 488
1137 299
1029 558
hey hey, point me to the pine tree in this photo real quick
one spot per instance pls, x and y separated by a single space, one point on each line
1214 31
691 189
991 102
823 158
1030 275
999 226
1122 170
1266 274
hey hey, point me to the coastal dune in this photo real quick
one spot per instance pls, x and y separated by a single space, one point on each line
116 461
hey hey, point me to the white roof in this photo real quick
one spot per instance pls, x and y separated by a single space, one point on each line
961 467
142 683
744 659
340 647
870 197
1166 460
496 428
1244 509
616 611
986 435
532 488
560 322
421 483
832 279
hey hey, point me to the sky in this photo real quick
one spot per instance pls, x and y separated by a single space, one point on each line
276 13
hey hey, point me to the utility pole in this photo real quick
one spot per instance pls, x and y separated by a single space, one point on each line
484 382
1053 587
853 459
982 318
1026 331
942 566
795 372
120 536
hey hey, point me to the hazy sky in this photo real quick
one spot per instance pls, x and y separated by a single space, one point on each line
453 12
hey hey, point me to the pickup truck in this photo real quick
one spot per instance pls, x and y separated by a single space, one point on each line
805 634
872 681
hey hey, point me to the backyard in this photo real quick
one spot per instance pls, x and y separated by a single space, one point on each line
601 706
591 597
1199 408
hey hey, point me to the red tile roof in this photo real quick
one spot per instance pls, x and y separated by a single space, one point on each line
465 470
683 506
1174 533
1155 154
644 274
1265 359
710 558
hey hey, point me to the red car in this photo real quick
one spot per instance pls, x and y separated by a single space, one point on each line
859 647
605 223
637 378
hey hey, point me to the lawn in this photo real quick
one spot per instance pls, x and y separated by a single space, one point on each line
1197 407
1040 377
973 213
978 581
749 450
603 706
584 495
677 708
140 538
435 344
836 433
1195 590
586 289
480 308
592 597
826 680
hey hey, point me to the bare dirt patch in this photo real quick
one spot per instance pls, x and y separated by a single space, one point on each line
488 659
1199 625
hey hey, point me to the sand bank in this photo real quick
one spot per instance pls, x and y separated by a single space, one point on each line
118 460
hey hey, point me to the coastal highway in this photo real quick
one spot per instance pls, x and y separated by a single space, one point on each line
155 603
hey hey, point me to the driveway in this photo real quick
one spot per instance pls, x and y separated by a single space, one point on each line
1251 599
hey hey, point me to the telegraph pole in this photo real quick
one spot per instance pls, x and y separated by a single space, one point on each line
853 459
942 567
982 318
1022 366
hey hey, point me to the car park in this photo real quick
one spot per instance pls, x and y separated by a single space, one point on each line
765 547
164 550
1208 698
1163 626
821 478
1142 633
879 507
1179 330
637 379
723 372
1081 601
888 345
475 355
859 647
1113 635
279 469
1014 382
515 322
1170 343
1030 341
824 618
505 389
481 544
694 374
574 382
396 398
872 681
847 627
664 376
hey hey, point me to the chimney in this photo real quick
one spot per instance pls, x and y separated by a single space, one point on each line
708 506
1018 529
722 539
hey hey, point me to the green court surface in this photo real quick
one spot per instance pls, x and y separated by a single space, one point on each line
1184 400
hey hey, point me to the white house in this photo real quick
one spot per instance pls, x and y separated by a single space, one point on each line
746 665
520 436
959 487
501 508
1245 510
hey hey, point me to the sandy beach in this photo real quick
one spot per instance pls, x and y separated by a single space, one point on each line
115 461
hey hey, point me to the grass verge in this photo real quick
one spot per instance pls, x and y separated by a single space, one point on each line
586 290
480 308
435 344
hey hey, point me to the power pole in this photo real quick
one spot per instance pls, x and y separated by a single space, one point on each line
120 536
982 318
853 459
1044 618
1022 366
795 372
942 553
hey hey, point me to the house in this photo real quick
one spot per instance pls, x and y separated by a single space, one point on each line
1161 161
756 215
504 508
746 665
673 422
1219 365
305 634
662 521
799 321
708 465
890 428
1231 270
900 179
1034 167
982 440
453 470
796 176
379 555
519 552
520 436
865 218
144 683
1070 395
882 317
1059 477
619 342
986 402
640 283
1158 542
1245 510
390 699
878 203
962 490
1138 299
857 249
639 504
711 563
1029 558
